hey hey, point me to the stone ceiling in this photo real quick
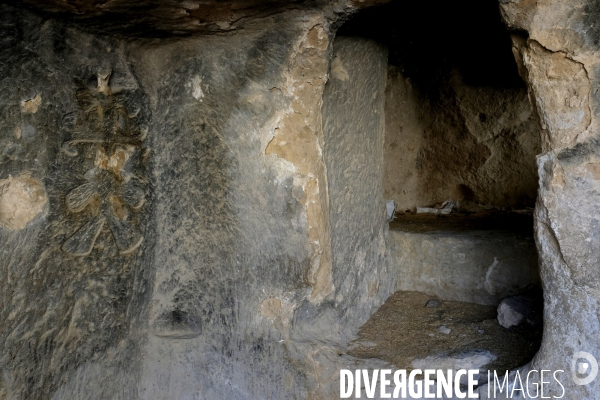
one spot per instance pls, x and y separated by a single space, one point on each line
162 18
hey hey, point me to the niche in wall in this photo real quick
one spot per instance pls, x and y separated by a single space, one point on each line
459 127
458 121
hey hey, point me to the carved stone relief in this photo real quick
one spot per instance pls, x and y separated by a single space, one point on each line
107 129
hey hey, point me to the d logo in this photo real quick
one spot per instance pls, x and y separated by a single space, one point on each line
580 367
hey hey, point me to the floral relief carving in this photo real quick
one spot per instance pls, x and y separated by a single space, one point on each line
114 189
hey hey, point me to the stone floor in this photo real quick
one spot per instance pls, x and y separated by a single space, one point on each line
415 330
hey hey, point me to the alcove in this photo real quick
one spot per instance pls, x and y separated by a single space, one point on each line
460 131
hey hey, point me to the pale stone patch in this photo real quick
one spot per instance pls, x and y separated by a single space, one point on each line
31 106
271 308
21 200
190 5
337 69
103 82
196 85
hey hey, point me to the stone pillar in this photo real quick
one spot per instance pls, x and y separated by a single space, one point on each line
240 205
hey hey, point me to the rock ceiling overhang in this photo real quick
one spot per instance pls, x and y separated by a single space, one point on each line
162 18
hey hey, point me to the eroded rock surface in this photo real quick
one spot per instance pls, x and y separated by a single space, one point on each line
177 18
196 215
560 59
475 145
21 200
480 267
187 241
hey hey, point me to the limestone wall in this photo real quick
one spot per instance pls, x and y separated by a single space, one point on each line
353 124
167 232
203 217
480 267
172 235
559 60
473 144
76 251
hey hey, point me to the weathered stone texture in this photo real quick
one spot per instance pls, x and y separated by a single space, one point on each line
560 58
188 194
472 144
187 226
480 267
560 88
21 200
65 316
233 218
205 217
180 18
353 126
353 137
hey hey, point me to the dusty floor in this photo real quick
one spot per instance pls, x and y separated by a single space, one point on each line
405 329
488 220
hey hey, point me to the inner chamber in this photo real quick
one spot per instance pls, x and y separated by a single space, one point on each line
460 133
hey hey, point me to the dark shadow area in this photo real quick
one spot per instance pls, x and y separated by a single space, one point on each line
494 220
428 39
459 125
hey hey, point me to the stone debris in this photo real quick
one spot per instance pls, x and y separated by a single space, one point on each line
390 208
444 330
444 208
519 310
432 304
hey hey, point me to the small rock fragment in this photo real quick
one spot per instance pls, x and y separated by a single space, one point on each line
509 316
444 208
432 304
444 330
390 208
519 310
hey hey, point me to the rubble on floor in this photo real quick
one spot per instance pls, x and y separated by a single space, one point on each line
409 333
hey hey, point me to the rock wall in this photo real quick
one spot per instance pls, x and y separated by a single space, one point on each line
168 233
558 54
471 144
353 123
75 200
458 123
241 191
204 217
480 267
165 214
